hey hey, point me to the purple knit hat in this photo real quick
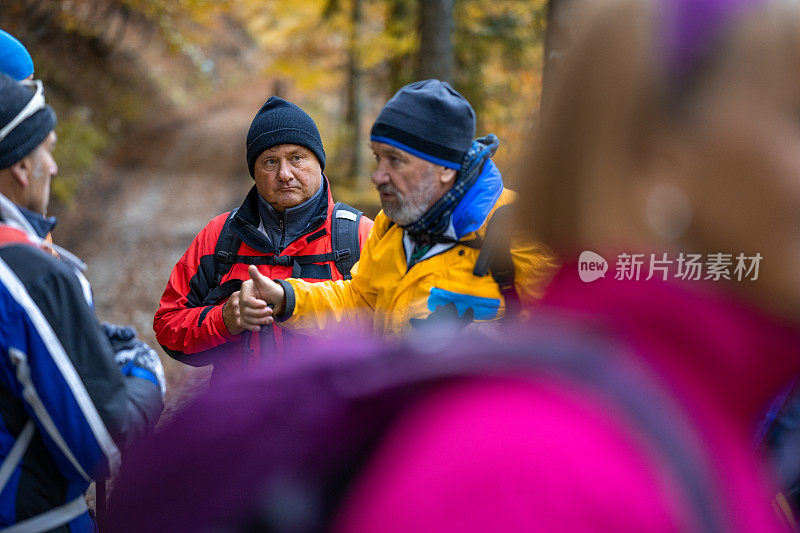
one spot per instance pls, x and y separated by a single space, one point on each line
693 28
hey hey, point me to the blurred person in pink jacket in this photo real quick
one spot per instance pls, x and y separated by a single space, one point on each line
665 168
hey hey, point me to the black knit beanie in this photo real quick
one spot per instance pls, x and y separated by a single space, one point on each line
428 119
281 122
29 133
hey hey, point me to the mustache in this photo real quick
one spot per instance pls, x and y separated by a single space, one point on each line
388 188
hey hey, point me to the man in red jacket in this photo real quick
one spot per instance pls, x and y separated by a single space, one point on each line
288 226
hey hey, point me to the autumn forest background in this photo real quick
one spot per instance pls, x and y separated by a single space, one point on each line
154 98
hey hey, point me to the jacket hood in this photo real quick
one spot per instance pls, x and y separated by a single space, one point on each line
473 209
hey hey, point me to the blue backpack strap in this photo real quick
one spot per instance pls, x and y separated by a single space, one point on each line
345 222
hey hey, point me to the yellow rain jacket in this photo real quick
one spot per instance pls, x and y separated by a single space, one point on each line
387 297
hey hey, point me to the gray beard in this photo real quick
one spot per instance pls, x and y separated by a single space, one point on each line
411 207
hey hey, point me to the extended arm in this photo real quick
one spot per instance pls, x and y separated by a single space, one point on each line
311 307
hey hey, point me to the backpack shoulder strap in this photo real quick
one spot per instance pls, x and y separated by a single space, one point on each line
344 235
228 244
225 255
495 258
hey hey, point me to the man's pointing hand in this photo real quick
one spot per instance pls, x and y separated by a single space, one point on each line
266 290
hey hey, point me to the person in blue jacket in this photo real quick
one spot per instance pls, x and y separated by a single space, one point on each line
73 392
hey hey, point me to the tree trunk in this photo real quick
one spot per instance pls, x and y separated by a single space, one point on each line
435 59
353 112
402 67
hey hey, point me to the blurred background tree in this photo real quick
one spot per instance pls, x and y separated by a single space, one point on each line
435 56
344 58
110 65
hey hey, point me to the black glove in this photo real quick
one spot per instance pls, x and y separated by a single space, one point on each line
444 316
134 357
120 337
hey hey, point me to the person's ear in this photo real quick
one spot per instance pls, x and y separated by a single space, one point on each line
447 176
21 171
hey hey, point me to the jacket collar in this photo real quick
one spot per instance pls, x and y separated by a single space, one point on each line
33 224
11 214
41 225
473 209
248 224
30 222
294 219
476 205
436 220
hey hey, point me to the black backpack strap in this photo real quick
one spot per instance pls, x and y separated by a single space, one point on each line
346 251
345 222
495 258
227 248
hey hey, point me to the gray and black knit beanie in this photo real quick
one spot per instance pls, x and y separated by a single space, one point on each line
281 122
29 133
430 120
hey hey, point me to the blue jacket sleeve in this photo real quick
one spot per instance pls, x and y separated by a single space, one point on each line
60 364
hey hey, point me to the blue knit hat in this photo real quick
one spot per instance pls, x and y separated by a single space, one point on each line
15 60
281 122
428 119
29 133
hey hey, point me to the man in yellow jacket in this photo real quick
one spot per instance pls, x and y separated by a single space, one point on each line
439 191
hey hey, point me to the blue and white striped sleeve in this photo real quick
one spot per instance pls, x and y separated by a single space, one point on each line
57 360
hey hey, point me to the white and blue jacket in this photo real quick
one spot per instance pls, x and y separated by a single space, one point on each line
65 408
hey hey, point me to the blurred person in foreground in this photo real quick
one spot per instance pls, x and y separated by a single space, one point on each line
623 404
688 154
436 240
72 392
